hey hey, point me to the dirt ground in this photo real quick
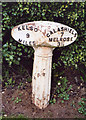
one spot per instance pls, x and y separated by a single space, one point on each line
68 109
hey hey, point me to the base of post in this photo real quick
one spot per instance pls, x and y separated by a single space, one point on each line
40 104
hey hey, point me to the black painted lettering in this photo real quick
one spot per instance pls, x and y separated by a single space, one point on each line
58 44
27 35
27 27
23 27
60 39
64 39
26 43
19 28
75 34
61 28
58 29
19 40
31 28
35 29
23 41
54 39
54 31
71 38
29 42
51 32
50 39
68 39
48 35
62 34
70 30
65 29
33 42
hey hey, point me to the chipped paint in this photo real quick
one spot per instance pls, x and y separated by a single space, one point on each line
38 74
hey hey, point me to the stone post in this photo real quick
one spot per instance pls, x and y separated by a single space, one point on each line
44 37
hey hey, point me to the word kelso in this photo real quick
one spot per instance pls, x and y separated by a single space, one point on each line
27 27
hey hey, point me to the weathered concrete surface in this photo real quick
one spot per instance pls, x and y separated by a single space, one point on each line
41 80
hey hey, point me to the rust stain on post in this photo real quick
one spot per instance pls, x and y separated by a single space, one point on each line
43 74
38 74
34 78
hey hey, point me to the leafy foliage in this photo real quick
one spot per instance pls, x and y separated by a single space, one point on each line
82 108
71 14
61 90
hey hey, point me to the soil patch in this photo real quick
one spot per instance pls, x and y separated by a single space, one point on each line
19 101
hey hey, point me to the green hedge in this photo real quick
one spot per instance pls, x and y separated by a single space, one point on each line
71 14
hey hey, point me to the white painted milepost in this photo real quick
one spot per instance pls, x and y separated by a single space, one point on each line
43 36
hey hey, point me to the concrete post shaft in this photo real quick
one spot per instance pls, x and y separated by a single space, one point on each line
41 80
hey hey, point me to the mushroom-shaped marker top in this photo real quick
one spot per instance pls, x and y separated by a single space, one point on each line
44 34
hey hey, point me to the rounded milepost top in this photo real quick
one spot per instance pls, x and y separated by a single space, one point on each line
44 33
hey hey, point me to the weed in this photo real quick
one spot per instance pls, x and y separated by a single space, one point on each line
82 109
22 116
73 104
20 84
81 78
16 100
9 82
12 98
20 94
53 101
61 90
29 79
64 95
6 84
62 101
